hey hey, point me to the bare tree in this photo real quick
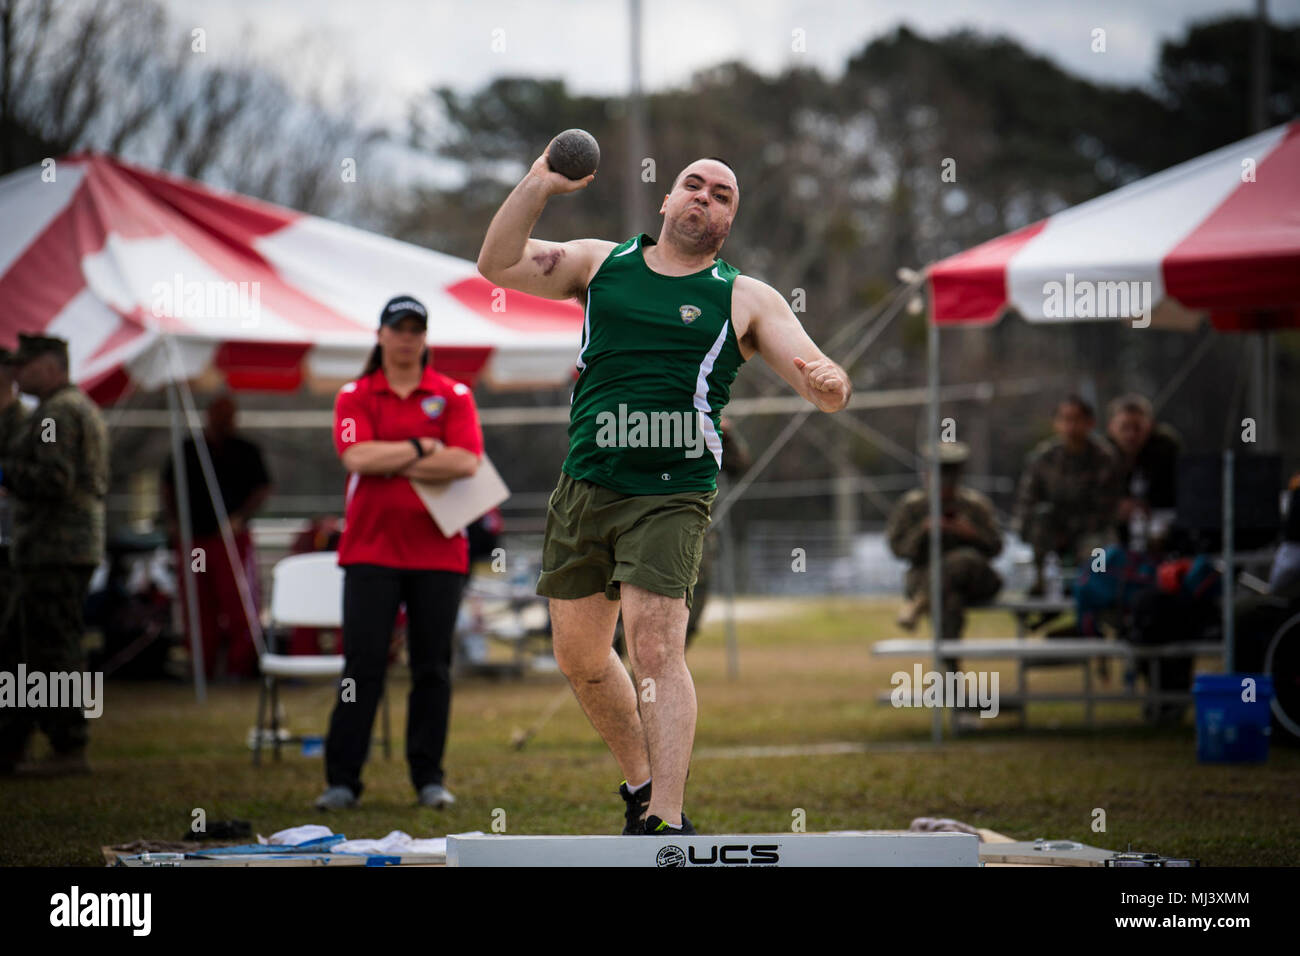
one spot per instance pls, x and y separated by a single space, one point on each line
118 76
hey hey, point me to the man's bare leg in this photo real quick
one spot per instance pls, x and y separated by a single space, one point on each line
655 626
582 633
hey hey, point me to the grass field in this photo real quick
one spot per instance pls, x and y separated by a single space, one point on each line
804 680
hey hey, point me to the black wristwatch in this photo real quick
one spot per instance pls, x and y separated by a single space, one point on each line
419 449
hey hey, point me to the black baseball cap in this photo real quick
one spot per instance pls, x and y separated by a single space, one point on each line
34 346
400 307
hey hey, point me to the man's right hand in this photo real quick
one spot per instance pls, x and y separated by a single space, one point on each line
512 259
554 183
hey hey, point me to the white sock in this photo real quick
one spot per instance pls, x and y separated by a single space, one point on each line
632 789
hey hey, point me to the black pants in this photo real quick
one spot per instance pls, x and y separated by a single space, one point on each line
1160 618
371 596
41 626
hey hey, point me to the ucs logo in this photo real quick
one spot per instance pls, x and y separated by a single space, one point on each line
670 856
732 854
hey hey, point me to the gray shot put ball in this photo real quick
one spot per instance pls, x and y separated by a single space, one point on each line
574 153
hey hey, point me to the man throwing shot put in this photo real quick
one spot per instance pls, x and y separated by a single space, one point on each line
668 325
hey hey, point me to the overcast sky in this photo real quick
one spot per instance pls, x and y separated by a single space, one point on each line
401 47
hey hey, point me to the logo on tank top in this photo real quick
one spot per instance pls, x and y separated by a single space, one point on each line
433 405
689 313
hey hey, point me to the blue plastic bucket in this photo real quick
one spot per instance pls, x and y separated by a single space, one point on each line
1229 729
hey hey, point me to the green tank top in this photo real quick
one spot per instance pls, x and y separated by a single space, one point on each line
655 369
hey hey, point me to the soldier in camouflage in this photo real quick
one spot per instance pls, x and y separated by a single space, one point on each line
1068 493
12 414
55 471
969 538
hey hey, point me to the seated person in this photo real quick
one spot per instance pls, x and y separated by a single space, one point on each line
1284 579
1147 455
1065 503
970 538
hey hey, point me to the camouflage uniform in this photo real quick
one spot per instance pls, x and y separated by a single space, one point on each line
11 419
56 472
1066 503
968 577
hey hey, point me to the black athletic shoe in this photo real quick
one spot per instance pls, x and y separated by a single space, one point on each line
638 801
656 827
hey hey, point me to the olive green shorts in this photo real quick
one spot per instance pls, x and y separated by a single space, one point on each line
597 538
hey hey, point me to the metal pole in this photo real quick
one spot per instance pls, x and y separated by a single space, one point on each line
936 558
1229 578
1264 368
184 572
1259 73
636 128
1268 413
1259 407
240 572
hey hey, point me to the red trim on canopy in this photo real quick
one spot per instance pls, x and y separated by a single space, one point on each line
262 366
100 249
461 363
1245 254
1223 244
107 388
516 310
973 284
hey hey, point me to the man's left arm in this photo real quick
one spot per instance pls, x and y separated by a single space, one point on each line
773 331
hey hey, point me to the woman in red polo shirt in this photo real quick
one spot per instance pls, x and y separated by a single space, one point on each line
400 420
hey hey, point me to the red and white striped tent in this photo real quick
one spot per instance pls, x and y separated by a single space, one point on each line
152 278
1216 237
156 280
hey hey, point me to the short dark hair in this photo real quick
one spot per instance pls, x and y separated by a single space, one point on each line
1079 402
716 159
1131 404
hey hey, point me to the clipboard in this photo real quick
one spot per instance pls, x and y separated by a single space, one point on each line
454 505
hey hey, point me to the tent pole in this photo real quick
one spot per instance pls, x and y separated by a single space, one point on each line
936 556
184 572
1259 406
1228 600
1269 411
223 523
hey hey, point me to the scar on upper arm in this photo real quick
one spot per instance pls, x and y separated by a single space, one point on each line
547 261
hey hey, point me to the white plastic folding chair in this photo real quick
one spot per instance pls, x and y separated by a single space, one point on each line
306 591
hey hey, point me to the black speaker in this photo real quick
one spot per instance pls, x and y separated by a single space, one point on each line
1257 489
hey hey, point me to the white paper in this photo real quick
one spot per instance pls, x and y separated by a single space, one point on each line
295 835
455 505
398 843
